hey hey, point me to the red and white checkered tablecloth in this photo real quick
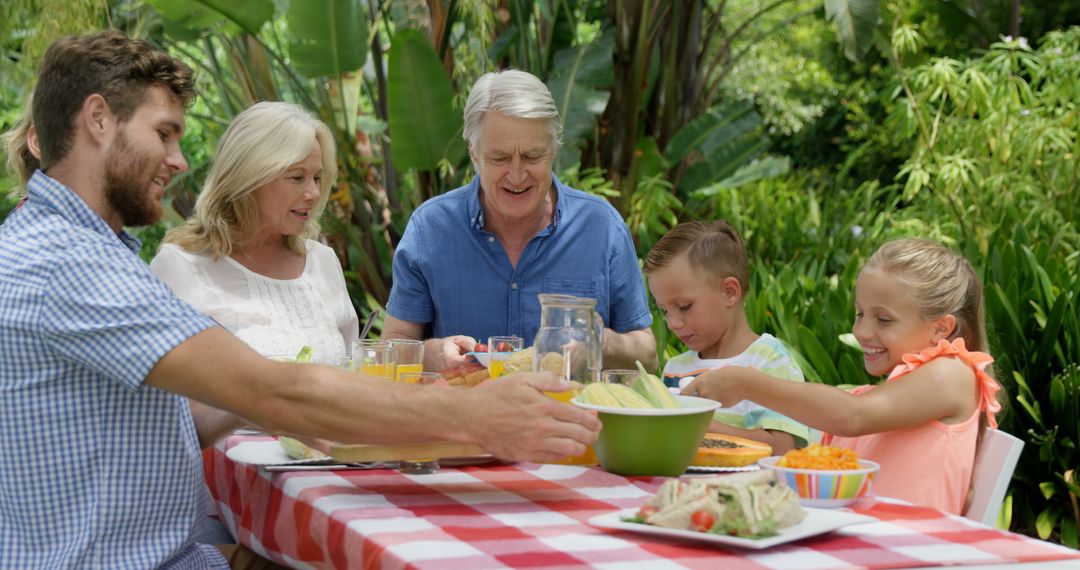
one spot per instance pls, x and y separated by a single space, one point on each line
535 516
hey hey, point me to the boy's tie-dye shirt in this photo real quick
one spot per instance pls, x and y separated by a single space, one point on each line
767 354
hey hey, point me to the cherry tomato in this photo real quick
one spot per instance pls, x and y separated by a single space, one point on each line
647 511
702 521
480 347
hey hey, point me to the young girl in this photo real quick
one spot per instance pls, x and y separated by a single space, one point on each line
918 318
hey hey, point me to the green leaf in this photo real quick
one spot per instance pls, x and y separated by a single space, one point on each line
185 21
757 170
1057 397
1050 332
1068 532
250 15
719 165
651 164
722 124
423 121
1001 303
818 356
855 21
1046 521
577 73
328 37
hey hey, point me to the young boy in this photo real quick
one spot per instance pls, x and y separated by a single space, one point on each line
698 275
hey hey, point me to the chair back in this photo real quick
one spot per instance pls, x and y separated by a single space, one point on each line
994 466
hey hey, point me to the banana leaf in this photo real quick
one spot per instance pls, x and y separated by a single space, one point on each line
712 129
187 21
578 80
758 170
424 125
328 37
721 164
856 22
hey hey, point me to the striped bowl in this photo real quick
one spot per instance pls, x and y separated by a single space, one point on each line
825 488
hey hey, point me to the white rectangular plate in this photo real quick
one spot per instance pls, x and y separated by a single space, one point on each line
268 452
817 521
705 469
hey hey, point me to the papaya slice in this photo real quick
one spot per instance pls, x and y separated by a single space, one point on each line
718 450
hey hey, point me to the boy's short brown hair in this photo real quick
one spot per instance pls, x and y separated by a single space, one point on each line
108 63
712 247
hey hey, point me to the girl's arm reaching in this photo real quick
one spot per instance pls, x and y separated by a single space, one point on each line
943 389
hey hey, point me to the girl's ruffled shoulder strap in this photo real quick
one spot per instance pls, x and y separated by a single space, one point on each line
978 361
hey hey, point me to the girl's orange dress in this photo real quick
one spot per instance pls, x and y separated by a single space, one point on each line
929 464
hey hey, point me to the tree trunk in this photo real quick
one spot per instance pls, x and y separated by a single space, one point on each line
619 124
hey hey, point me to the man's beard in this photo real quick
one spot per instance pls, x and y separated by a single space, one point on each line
128 175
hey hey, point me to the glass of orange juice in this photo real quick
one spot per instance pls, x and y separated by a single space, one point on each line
409 356
422 378
499 349
375 358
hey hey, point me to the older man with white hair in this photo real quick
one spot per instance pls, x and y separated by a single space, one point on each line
472 261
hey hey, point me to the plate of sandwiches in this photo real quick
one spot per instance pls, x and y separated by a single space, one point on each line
745 510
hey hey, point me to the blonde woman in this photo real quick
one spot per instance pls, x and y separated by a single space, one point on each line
21 146
247 257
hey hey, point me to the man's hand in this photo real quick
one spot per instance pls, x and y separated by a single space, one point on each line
449 352
514 420
623 350
439 353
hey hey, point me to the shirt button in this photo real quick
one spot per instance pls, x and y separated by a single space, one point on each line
491 239
513 286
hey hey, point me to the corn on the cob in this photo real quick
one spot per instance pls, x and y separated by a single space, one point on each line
627 398
597 395
653 390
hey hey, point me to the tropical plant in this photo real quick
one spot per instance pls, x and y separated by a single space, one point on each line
1033 304
996 140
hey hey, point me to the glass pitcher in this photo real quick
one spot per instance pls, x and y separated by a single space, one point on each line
569 342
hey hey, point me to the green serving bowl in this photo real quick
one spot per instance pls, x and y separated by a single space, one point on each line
651 442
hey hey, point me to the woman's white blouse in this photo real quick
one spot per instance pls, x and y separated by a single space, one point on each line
273 316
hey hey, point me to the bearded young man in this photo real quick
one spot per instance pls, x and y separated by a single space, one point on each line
97 354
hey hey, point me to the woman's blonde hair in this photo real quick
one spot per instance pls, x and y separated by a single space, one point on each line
16 143
941 283
260 145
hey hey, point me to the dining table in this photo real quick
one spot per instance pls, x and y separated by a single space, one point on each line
490 514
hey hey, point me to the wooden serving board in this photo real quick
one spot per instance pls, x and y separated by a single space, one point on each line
364 453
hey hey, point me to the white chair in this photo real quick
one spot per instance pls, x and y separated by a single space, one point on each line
994 466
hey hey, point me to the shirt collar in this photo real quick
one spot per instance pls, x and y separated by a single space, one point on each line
57 197
476 213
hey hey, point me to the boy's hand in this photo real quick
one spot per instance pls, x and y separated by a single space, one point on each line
721 385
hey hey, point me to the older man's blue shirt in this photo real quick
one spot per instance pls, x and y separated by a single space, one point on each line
455 276
103 472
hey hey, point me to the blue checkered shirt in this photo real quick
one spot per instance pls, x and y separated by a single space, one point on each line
98 470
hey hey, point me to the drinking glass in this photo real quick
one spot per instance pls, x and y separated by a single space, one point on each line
620 376
423 466
500 348
410 356
335 361
423 378
374 358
